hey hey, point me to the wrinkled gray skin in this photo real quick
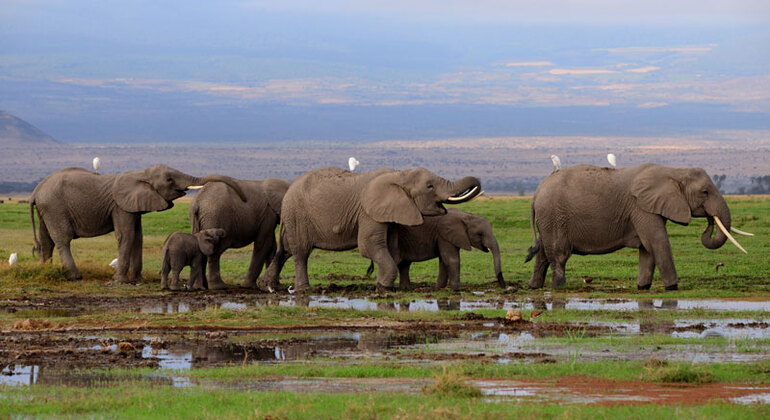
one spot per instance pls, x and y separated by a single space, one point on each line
252 222
183 249
337 210
442 237
75 203
591 210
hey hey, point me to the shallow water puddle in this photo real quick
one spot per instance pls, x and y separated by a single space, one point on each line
365 304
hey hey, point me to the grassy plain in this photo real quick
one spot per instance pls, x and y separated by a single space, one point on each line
738 276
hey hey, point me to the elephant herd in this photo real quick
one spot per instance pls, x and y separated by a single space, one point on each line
393 217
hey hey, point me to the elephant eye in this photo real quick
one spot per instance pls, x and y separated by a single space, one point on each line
430 187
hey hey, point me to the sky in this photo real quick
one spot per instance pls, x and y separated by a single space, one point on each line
251 70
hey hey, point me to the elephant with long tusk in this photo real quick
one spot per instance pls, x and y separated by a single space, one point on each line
591 210
75 203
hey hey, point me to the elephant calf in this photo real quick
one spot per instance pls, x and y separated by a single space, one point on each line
442 237
183 249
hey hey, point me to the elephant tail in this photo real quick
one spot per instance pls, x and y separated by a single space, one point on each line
36 244
535 248
370 270
195 219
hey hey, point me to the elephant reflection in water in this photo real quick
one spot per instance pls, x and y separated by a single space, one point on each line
542 304
448 304
656 327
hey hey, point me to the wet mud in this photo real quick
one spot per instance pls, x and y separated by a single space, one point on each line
36 351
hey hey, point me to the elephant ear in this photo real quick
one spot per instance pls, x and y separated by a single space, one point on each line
134 194
454 230
275 189
660 193
385 200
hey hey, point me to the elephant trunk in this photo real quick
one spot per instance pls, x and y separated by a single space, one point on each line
495 249
463 190
198 183
719 209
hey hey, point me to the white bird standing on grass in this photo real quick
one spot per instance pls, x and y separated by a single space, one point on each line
114 263
612 159
13 258
352 163
97 162
556 162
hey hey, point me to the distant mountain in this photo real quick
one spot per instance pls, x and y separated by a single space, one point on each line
17 132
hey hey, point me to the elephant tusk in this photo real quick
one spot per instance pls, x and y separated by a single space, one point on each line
290 290
195 187
462 197
740 232
730 237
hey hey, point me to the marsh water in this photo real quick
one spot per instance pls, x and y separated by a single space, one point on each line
171 353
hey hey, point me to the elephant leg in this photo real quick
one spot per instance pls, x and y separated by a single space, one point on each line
125 232
270 279
164 270
204 278
175 278
654 238
558 266
450 258
135 261
215 277
69 263
196 272
441 279
646 269
301 282
46 243
373 244
404 282
537 281
260 256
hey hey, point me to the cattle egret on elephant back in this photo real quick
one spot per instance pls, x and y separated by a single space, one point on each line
352 163
612 159
556 162
97 162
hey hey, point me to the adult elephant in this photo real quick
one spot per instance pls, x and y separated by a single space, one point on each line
442 237
337 210
252 222
591 210
75 203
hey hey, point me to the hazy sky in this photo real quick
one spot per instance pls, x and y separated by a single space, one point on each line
83 70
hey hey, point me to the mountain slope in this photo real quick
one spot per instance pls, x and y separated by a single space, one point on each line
17 132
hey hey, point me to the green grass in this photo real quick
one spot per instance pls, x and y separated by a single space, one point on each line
613 274
136 401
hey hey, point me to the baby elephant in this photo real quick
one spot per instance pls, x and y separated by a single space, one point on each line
443 236
183 249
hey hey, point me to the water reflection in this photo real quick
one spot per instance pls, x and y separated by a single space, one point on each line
458 304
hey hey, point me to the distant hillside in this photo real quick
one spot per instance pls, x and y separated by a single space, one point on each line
17 132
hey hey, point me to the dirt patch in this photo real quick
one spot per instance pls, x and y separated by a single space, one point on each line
34 325
668 394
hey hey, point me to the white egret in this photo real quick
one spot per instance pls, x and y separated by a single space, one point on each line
14 257
97 162
352 163
114 263
612 159
556 162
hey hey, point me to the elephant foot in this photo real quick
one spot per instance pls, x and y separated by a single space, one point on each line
249 284
136 280
120 279
217 284
643 287
381 288
673 287
500 280
74 275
